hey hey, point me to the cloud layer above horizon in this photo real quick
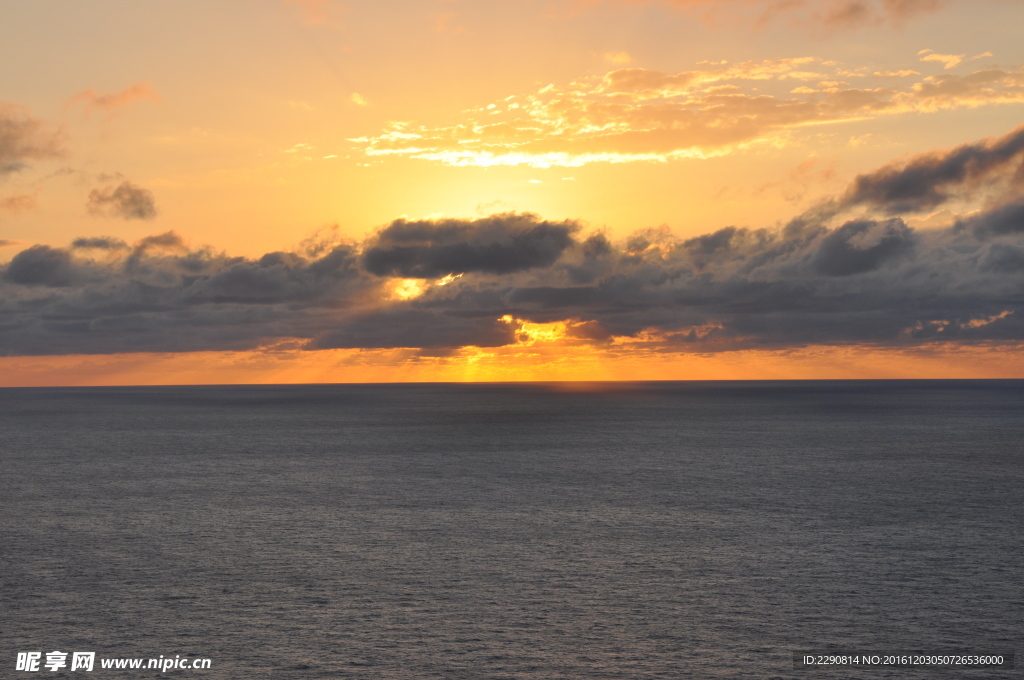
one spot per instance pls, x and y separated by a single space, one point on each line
852 270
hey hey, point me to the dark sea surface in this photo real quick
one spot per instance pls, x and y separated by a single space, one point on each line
650 530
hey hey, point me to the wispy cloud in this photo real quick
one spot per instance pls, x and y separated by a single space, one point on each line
113 103
24 138
947 60
636 114
831 15
18 203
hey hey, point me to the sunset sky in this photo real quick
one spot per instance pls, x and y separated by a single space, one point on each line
343 190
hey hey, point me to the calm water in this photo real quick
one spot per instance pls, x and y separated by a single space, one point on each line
658 530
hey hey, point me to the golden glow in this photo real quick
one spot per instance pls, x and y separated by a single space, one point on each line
638 114
446 279
513 363
978 323
528 333
405 289
408 289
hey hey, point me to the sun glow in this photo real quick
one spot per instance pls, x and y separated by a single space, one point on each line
405 289
529 333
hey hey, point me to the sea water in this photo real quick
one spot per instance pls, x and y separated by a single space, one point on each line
649 530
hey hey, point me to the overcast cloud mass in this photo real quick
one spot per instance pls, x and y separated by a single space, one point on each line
848 271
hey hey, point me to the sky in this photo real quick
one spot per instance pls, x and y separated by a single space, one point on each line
280 191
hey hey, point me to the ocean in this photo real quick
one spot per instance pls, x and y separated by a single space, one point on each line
526 531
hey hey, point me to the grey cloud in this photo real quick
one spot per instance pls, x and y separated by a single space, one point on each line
162 296
43 266
1002 257
99 243
1003 220
862 246
500 244
126 201
929 180
22 139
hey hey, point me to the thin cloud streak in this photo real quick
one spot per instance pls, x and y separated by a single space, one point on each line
91 101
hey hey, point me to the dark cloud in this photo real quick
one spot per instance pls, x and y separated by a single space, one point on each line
867 281
99 243
862 246
929 180
23 139
43 266
1003 258
500 244
7 243
160 295
1003 220
126 201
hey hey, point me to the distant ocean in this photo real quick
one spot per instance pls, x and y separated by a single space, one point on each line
527 531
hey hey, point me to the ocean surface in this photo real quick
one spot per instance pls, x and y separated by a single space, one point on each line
648 530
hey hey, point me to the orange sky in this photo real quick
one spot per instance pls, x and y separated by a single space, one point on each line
329 190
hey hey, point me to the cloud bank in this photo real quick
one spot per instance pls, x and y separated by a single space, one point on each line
851 271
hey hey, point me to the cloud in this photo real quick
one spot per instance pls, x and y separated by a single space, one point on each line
18 203
44 266
848 272
862 246
906 73
619 58
929 180
99 243
24 139
126 201
7 243
640 115
947 60
113 103
500 244
865 281
815 14
1004 220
